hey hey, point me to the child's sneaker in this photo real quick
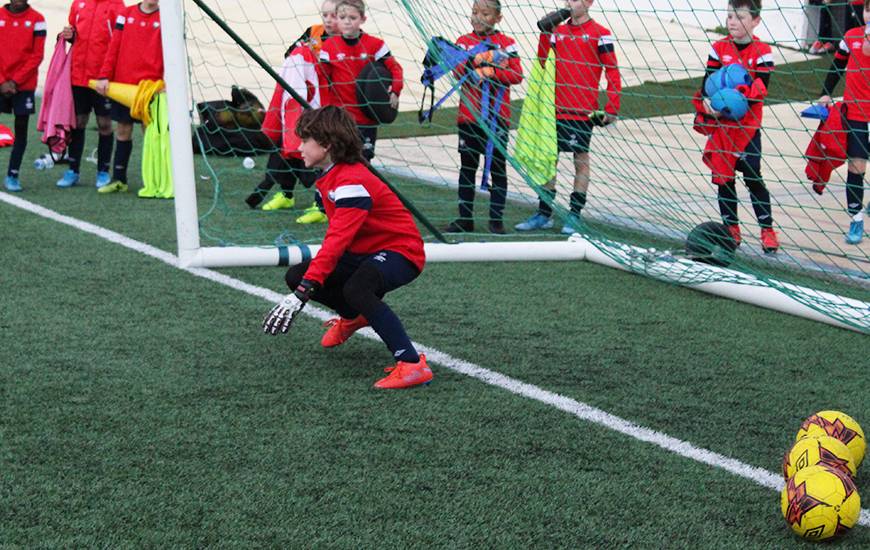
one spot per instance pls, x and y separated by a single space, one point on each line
536 221
103 179
406 375
12 184
341 329
312 214
496 227
769 240
114 187
830 47
572 225
817 47
459 226
279 202
856 232
69 179
734 230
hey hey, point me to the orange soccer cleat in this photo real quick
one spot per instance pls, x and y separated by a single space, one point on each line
406 375
769 240
341 329
734 230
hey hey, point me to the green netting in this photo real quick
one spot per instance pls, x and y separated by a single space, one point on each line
648 187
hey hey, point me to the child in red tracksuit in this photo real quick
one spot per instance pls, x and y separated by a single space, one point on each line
372 246
343 58
498 75
135 54
741 46
584 49
90 32
22 35
853 57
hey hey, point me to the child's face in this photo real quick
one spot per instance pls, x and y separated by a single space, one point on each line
484 17
330 19
867 13
579 8
741 23
314 154
150 4
18 4
349 21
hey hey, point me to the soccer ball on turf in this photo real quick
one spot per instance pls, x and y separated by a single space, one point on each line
823 449
839 425
820 503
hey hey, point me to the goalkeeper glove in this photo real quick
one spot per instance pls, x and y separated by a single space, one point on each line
283 314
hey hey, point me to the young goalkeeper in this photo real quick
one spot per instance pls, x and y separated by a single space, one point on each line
371 247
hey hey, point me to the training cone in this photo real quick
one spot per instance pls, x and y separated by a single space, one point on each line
125 94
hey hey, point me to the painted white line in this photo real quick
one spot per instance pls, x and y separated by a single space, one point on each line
582 411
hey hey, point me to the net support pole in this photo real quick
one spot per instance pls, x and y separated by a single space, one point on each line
177 95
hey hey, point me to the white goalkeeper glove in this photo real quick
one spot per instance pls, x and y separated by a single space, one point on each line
283 314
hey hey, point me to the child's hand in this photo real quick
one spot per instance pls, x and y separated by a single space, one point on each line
708 108
394 100
825 100
102 86
68 33
485 72
7 88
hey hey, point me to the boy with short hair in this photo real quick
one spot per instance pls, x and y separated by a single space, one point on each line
343 58
90 32
135 54
741 46
372 246
473 137
584 49
853 57
22 33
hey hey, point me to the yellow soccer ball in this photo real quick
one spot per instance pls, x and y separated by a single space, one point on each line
839 425
823 449
820 503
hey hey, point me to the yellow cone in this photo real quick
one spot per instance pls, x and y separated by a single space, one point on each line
125 94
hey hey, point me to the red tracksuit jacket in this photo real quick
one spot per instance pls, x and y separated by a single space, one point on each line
22 47
827 150
136 52
508 76
94 22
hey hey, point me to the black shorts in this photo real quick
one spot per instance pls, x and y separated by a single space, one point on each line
857 144
369 135
573 136
19 104
87 100
120 113
473 138
396 270
749 163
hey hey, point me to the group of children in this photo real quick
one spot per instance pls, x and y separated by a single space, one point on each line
110 42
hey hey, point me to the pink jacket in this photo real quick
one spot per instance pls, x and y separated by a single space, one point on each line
57 115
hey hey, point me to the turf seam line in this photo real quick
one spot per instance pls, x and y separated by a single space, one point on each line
566 404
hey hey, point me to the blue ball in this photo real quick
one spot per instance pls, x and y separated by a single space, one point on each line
731 103
728 77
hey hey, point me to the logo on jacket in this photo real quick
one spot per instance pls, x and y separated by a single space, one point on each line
340 56
27 23
130 20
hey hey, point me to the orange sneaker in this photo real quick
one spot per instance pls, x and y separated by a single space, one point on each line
769 240
341 329
735 233
406 375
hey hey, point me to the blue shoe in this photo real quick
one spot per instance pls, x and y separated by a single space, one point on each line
69 179
103 179
12 184
572 225
537 221
856 232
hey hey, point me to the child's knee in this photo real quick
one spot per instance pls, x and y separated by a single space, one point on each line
124 131
857 165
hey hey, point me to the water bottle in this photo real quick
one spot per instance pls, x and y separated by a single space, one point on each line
44 162
553 20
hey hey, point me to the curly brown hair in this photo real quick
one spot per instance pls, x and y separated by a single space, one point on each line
333 128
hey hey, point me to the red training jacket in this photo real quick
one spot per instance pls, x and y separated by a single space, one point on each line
136 52
756 58
365 217
93 21
827 150
857 92
22 36
583 52
299 71
342 60
508 76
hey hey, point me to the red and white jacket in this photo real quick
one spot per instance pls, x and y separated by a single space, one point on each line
508 76
136 52
342 60
300 72
365 217
22 47
93 22
583 52
827 150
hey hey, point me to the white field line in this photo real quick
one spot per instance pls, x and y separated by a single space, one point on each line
576 408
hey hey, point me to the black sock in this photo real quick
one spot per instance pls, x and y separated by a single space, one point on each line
123 149
390 329
760 201
578 201
728 203
854 193
544 205
18 146
104 152
76 148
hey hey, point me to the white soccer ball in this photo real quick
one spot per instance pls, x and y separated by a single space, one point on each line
248 163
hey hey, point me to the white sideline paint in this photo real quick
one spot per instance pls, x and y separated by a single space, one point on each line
576 408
